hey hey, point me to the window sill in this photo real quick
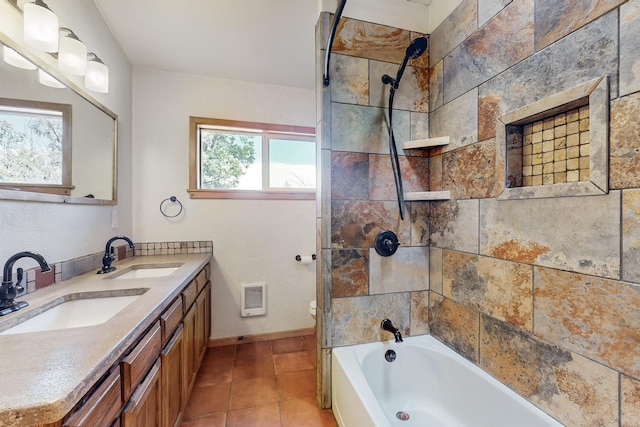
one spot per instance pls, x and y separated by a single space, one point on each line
251 195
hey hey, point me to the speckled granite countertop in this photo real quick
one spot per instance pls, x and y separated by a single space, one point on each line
44 374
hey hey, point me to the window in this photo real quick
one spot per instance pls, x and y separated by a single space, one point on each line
35 146
245 160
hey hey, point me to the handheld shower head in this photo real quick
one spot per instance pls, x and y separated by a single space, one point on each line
416 48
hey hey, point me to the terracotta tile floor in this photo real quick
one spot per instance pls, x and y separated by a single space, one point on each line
261 384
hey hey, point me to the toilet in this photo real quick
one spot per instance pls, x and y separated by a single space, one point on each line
312 308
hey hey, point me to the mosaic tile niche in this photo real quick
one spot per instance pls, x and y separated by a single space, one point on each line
558 146
556 149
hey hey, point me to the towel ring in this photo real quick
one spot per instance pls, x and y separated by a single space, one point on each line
172 199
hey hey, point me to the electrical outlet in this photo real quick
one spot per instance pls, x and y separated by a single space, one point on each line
114 218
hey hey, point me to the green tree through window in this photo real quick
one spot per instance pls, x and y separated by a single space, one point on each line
33 154
225 158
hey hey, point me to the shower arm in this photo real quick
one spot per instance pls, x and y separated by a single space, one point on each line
336 18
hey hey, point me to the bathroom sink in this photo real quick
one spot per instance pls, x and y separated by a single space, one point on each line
76 311
145 271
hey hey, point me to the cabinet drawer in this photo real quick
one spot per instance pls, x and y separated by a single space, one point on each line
102 407
189 295
137 363
144 407
201 279
170 319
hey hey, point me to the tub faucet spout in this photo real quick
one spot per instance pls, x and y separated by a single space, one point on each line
388 326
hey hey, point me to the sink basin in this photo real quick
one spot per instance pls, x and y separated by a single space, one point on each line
76 313
145 271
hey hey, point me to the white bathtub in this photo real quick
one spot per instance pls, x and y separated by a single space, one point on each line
431 383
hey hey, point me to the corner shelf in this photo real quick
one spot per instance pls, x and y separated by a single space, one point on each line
426 143
426 195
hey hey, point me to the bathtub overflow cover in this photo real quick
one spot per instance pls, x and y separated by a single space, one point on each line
402 416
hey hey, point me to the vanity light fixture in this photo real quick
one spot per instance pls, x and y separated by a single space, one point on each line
72 53
97 77
46 79
12 57
40 26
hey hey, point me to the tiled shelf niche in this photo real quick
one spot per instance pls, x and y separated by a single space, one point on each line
426 195
558 146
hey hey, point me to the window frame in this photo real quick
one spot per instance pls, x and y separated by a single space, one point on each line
263 129
66 175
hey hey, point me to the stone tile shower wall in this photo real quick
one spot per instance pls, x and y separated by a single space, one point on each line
541 293
356 287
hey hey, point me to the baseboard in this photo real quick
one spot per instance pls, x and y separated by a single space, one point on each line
218 342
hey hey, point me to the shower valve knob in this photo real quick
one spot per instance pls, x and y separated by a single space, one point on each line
386 243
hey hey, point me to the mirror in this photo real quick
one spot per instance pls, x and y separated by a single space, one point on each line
75 138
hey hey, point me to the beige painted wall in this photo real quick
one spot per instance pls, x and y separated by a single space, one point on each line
254 241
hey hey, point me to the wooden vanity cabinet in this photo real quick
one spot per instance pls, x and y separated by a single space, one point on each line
153 381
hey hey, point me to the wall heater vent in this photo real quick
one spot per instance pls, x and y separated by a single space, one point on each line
254 299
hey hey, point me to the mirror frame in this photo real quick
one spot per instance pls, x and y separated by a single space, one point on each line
55 198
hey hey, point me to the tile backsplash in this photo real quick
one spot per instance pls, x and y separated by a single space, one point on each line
65 270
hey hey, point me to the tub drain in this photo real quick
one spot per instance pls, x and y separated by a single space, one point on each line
402 416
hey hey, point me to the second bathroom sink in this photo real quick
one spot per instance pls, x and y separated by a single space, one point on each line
145 271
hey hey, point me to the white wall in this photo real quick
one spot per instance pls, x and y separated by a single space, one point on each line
60 232
412 15
254 241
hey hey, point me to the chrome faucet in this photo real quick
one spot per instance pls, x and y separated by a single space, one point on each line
388 326
107 259
8 291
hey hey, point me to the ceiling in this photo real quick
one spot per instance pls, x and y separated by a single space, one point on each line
264 41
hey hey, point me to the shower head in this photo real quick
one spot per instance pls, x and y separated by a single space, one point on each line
416 48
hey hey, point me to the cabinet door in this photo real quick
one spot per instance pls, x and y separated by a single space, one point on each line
171 369
189 353
143 410
201 343
207 314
